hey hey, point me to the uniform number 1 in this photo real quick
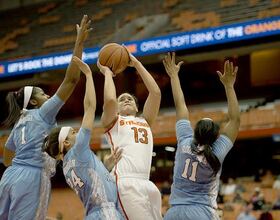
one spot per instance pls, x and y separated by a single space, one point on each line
23 136
192 175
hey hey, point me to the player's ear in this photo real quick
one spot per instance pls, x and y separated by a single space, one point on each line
66 143
33 102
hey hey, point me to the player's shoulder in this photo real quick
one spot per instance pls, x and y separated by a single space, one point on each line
26 116
223 140
185 148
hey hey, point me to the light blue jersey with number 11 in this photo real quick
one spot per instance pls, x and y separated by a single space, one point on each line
194 182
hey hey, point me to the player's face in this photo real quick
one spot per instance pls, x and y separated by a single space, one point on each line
127 104
40 96
71 137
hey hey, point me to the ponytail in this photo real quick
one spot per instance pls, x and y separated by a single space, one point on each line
212 159
205 134
51 145
209 155
15 103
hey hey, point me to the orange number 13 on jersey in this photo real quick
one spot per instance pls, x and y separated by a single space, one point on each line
143 133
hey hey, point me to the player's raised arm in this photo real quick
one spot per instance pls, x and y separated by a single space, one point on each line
152 104
228 79
90 97
172 70
72 75
110 106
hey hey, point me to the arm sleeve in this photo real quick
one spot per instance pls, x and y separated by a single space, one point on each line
50 108
82 141
221 147
10 143
183 131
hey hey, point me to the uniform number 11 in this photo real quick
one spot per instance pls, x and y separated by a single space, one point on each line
191 176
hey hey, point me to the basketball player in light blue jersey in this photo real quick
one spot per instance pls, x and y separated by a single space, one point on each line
83 171
200 153
25 186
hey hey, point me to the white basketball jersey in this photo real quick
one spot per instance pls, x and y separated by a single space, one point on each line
134 136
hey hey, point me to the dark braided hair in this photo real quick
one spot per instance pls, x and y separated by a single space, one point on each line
51 145
15 104
206 133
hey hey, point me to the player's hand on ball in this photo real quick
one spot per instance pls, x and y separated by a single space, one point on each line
132 60
114 56
104 69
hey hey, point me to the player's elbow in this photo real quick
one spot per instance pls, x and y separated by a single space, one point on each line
74 81
70 82
110 103
90 106
236 120
7 162
236 117
157 92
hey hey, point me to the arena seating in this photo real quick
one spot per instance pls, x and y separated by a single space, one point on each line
110 15
267 116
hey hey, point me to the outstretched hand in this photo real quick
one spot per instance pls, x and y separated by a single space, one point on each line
229 76
110 160
83 29
82 65
171 67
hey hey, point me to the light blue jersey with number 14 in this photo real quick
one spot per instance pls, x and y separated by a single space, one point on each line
88 177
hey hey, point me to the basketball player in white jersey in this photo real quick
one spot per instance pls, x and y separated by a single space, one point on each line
139 197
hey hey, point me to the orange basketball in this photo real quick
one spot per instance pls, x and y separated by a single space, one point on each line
114 56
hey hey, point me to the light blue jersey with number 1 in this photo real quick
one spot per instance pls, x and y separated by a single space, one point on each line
25 186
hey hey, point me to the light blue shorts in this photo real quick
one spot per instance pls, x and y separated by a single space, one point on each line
20 192
191 212
108 211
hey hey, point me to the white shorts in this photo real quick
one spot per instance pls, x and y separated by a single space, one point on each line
139 198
